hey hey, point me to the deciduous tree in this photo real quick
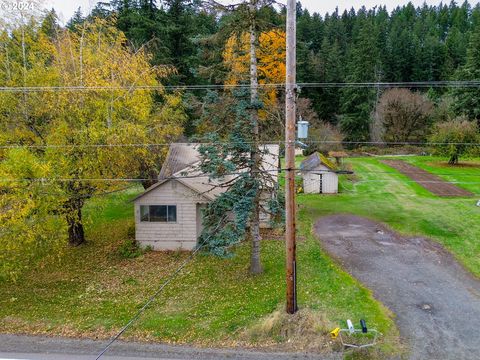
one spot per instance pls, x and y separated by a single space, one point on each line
403 116
73 135
455 138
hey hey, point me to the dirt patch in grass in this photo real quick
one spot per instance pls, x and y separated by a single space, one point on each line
435 184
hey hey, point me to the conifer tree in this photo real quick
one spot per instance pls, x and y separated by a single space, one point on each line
363 66
467 100
249 15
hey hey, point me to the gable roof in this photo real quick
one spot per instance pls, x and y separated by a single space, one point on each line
182 163
315 160
179 157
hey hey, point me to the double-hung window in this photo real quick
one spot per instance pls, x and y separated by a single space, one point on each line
158 213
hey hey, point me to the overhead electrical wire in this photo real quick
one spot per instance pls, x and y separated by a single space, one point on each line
130 88
202 175
150 301
277 142
152 298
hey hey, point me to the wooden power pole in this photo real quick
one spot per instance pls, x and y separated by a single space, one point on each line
290 136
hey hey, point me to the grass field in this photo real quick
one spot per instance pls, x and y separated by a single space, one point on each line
93 291
383 194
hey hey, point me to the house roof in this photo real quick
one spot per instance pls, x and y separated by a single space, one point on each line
182 165
315 160
179 157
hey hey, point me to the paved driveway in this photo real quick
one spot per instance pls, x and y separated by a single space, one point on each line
436 301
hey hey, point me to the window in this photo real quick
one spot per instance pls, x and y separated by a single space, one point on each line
158 213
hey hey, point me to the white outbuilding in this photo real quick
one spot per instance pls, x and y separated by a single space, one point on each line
168 215
319 175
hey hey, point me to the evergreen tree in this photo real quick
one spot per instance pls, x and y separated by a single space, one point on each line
467 100
230 156
363 66
76 20
228 162
50 25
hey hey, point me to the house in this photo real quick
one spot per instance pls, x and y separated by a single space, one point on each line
168 215
319 175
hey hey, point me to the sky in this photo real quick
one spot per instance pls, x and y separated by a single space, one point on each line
65 8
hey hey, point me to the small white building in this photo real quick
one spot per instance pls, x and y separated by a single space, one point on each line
168 215
319 176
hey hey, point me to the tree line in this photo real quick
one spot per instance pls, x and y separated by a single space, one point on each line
408 44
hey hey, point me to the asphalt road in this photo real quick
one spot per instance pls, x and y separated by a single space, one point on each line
435 300
49 348
22 356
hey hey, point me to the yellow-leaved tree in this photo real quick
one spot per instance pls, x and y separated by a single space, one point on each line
69 134
271 57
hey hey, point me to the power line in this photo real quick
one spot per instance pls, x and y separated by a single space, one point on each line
389 143
150 300
274 142
432 196
186 176
414 84
376 85
97 194
391 172
159 290
61 146
417 181
204 175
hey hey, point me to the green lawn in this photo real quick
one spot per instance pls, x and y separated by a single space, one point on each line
467 172
93 291
382 193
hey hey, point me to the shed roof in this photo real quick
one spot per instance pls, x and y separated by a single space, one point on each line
315 160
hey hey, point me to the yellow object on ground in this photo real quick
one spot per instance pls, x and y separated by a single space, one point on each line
334 333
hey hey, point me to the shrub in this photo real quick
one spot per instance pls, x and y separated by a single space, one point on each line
130 249
323 138
450 139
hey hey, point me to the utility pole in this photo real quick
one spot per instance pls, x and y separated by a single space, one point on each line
290 118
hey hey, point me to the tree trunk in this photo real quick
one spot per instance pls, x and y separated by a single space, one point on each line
149 175
255 263
76 235
453 159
